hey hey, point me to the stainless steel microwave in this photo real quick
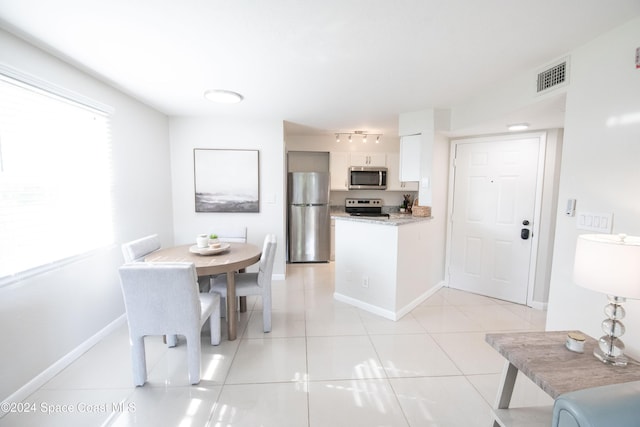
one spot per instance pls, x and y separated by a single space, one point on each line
367 178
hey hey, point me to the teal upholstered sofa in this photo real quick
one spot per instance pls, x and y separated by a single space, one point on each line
615 405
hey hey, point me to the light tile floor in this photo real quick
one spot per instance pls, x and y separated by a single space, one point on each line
324 364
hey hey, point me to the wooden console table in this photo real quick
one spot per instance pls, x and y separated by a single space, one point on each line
543 357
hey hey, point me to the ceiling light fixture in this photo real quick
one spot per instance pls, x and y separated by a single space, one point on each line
361 133
518 126
223 96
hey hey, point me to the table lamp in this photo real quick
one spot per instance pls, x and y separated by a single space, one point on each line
609 264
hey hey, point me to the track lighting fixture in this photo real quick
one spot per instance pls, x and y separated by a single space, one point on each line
361 133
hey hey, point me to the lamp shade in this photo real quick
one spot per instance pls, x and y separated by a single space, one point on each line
609 264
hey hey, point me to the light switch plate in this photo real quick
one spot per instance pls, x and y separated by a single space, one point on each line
592 221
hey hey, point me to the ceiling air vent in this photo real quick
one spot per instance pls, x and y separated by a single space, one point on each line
553 77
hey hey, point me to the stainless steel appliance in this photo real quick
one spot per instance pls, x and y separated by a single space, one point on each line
309 217
367 178
364 207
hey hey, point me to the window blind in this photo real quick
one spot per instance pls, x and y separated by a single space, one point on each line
55 179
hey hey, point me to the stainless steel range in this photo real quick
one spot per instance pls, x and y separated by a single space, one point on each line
365 207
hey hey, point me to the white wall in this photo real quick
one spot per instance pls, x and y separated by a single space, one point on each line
438 226
46 317
600 168
201 132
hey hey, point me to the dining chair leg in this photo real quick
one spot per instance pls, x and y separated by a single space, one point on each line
194 348
171 340
138 361
214 325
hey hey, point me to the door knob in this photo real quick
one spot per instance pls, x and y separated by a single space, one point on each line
525 222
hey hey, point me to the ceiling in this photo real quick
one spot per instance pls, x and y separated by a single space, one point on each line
322 66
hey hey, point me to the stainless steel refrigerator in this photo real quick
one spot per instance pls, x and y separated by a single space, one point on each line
309 218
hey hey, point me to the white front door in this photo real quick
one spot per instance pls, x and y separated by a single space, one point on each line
493 209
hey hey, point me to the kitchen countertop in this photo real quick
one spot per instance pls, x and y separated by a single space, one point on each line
394 219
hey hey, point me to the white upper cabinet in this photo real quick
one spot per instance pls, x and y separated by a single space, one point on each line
339 169
369 159
339 163
393 175
410 152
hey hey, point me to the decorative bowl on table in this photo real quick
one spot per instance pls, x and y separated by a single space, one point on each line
209 250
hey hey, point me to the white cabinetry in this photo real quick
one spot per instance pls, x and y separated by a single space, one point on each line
368 159
332 255
394 182
410 152
339 163
339 169
377 266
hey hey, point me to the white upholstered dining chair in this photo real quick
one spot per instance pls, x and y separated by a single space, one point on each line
163 299
136 250
228 234
254 283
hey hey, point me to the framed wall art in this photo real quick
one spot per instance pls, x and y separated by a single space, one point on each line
226 180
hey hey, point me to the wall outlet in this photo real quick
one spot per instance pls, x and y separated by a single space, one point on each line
365 282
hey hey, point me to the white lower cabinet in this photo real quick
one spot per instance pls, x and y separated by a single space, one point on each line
332 254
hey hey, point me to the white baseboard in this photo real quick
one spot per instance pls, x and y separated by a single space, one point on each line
53 370
539 305
388 314
416 302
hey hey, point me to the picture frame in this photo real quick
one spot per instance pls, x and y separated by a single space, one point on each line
226 180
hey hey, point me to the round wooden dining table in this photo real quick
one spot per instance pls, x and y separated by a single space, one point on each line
237 257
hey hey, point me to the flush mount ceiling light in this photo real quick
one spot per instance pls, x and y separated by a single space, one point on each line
518 126
361 133
223 96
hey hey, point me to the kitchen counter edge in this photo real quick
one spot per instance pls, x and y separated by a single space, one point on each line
394 219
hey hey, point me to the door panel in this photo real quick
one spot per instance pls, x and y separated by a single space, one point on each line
494 192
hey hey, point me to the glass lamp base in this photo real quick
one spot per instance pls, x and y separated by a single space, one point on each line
610 348
611 360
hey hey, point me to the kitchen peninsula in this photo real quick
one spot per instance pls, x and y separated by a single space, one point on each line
380 262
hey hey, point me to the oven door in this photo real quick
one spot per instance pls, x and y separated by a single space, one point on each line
367 178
